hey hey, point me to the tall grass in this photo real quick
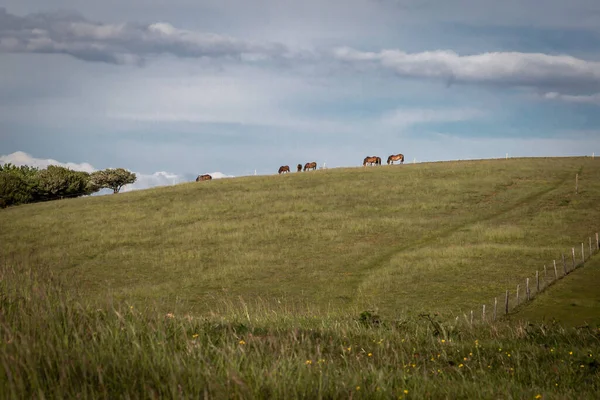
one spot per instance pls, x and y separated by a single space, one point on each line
55 344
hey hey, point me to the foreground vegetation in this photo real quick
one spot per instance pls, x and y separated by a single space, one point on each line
54 344
404 239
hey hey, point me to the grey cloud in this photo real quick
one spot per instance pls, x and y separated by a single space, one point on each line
126 43
515 69
585 99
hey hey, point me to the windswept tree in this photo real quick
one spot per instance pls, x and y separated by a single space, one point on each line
24 184
56 182
113 179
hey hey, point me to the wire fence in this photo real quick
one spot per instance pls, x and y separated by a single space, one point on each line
530 287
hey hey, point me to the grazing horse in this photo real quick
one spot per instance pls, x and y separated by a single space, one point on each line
299 167
283 169
205 177
396 157
310 165
372 160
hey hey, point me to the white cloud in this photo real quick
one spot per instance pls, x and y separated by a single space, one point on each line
144 181
20 158
498 68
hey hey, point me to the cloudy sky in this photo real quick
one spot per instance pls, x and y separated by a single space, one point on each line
179 88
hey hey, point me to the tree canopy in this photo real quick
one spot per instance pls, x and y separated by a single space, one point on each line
25 184
113 179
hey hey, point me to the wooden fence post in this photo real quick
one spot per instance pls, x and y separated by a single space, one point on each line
483 314
537 282
527 288
573 253
471 317
555 271
495 307
564 263
517 294
597 242
506 303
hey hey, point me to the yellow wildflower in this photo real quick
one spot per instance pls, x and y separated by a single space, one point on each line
358 388
460 365
242 341
308 362
370 355
538 396
405 391
195 335
570 353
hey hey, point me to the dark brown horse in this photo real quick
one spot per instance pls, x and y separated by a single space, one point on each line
284 169
396 157
205 177
299 167
310 165
372 160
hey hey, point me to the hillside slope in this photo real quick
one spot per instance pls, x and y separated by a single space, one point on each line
437 236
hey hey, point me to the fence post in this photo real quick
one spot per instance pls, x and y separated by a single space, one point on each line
483 314
495 307
527 288
597 242
517 294
537 282
564 263
555 271
506 303
545 275
471 317
573 253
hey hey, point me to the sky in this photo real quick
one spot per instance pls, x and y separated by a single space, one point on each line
174 89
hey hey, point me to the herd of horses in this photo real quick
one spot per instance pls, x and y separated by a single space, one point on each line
370 160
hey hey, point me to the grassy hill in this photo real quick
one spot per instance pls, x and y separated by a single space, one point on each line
254 287
441 236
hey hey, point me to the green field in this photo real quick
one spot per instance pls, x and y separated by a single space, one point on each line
402 239
258 287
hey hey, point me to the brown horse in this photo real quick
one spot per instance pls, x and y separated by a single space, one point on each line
396 157
372 160
283 169
205 177
299 167
310 165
